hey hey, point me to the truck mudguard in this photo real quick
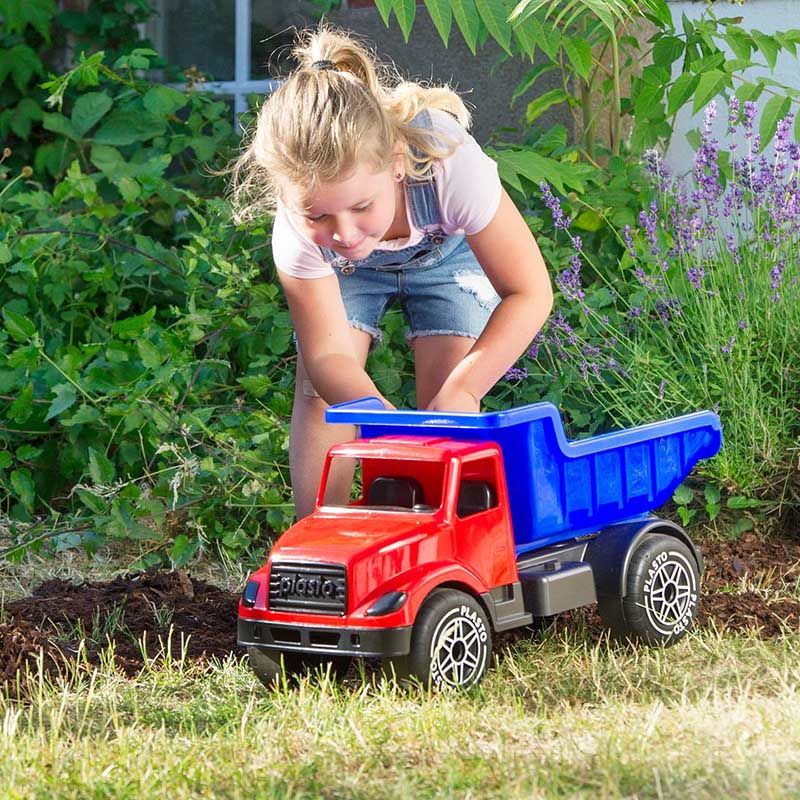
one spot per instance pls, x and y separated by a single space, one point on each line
559 490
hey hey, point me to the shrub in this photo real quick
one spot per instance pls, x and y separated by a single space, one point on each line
704 312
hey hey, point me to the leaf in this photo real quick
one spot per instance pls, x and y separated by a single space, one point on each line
22 483
544 101
22 408
58 123
100 468
23 116
530 79
711 493
84 415
740 502
126 127
709 86
683 495
5 253
22 63
164 100
495 16
65 398
442 16
20 327
94 503
132 327
588 220
89 109
537 168
775 110
255 385
183 550
768 46
5 459
580 55
468 21
741 526
385 9
19 14
667 50
405 11
151 356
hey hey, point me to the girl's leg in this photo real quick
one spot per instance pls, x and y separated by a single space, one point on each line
435 357
310 437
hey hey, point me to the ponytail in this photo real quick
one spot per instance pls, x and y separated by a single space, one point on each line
339 106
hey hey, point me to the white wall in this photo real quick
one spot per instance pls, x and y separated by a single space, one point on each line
766 16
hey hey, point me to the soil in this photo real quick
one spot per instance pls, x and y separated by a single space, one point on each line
747 584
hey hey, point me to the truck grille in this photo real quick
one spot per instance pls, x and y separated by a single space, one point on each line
308 588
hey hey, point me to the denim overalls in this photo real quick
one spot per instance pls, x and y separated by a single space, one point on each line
440 284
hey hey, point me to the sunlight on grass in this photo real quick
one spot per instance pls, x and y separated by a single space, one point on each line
715 716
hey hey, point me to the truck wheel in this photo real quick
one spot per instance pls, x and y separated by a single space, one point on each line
269 666
662 592
450 643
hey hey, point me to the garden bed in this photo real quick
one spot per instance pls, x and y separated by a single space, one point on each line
748 584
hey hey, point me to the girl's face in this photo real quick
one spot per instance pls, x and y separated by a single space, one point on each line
349 216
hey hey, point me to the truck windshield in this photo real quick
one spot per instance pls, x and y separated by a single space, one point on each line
383 485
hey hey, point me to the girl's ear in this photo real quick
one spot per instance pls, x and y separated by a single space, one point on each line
399 162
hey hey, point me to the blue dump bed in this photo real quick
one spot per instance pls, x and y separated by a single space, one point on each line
560 489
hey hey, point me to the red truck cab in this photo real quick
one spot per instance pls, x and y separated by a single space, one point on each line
429 512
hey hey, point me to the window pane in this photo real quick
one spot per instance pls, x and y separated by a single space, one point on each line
273 27
201 33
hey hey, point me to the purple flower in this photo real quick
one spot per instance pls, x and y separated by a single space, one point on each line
626 235
695 275
516 374
733 114
776 275
726 349
742 324
750 112
569 280
554 206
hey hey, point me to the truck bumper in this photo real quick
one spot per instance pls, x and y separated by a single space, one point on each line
365 642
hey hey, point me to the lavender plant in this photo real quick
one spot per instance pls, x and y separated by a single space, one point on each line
704 311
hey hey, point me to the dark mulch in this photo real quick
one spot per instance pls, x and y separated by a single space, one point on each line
58 614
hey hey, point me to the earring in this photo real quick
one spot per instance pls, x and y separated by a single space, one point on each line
398 176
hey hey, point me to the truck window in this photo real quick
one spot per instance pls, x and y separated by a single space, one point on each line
474 497
384 485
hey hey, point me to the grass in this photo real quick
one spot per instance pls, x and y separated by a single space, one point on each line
715 716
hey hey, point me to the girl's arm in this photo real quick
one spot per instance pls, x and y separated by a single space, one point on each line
324 338
511 260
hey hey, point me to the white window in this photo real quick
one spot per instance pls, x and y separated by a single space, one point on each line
233 42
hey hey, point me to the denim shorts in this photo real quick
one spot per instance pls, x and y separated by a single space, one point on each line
442 292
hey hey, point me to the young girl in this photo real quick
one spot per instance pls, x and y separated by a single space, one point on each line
381 196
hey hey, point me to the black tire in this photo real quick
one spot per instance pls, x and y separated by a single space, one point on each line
450 644
271 666
663 592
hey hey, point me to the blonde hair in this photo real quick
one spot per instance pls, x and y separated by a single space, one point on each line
324 119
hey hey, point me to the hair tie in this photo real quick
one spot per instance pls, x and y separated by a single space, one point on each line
323 64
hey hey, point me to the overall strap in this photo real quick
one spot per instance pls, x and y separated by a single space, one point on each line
422 195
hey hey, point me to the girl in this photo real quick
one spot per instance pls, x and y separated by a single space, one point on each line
381 195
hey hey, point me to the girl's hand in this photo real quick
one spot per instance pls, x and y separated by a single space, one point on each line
454 399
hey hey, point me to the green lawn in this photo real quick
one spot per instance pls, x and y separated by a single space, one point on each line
715 716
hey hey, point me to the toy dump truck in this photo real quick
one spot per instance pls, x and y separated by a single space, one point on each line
462 525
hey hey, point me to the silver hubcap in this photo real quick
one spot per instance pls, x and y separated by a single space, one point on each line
670 594
458 650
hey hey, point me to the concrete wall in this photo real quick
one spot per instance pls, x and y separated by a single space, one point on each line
485 85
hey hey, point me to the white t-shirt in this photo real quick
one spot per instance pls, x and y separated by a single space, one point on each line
468 187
